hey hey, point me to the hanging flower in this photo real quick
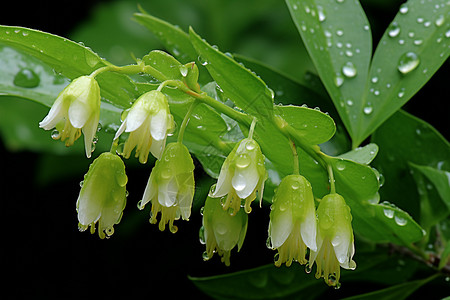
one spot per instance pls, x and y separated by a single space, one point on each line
221 232
148 122
242 176
76 109
103 195
292 226
170 187
335 242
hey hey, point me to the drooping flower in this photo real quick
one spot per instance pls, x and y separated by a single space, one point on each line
335 241
170 187
148 122
221 231
76 109
292 226
242 176
103 195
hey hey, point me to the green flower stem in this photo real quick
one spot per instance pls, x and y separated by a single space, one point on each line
296 170
185 121
252 128
140 67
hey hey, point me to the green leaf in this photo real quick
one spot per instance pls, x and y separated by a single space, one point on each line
439 178
71 60
396 292
412 141
379 222
433 194
411 50
244 88
312 125
363 155
337 37
175 40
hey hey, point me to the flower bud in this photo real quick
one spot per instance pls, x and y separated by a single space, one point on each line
170 187
76 109
148 122
103 195
335 241
292 225
242 176
221 231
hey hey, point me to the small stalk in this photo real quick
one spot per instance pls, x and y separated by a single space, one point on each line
185 121
296 170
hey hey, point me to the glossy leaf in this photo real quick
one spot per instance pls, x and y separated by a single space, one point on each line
396 292
312 125
363 155
71 60
411 50
412 141
244 88
340 49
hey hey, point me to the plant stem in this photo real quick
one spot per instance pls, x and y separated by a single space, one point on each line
185 121
252 128
296 170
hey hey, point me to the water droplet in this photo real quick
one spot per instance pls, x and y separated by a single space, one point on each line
368 110
393 29
400 221
388 213
420 20
447 34
340 165
374 79
338 80
55 134
308 268
401 93
403 9
24 33
349 70
321 14
202 61
269 243
349 102
381 180
81 183
26 78
201 235
418 42
243 161
339 32
205 256
183 70
408 62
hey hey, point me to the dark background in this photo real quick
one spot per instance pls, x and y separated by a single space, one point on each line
45 255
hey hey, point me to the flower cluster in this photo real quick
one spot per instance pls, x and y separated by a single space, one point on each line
295 224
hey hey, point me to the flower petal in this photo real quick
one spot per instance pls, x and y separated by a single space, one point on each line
79 113
157 148
281 225
245 180
121 129
223 182
136 117
308 230
150 190
158 125
167 192
89 131
56 114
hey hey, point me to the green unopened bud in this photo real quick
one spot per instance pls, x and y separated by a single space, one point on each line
76 109
170 187
221 231
335 241
242 176
148 122
292 226
103 195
